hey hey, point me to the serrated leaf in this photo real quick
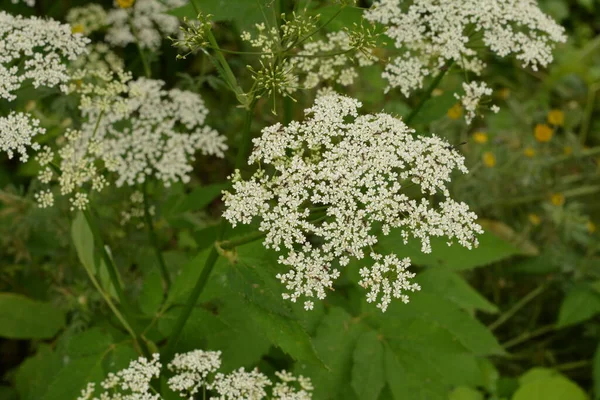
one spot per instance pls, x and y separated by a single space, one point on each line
36 373
368 375
453 287
92 341
74 376
185 281
491 249
23 318
285 333
334 341
580 304
435 310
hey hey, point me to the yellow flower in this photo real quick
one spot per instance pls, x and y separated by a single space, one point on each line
567 150
529 152
455 112
125 3
489 159
480 137
79 28
556 117
558 199
543 133
534 219
591 227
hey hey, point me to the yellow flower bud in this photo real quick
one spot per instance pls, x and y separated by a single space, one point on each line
529 152
78 28
534 219
543 133
556 118
489 159
455 112
125 3
480 137
558 199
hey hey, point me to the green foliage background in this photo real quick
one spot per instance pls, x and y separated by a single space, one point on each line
516 318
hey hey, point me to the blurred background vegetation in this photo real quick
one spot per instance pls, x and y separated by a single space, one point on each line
516 318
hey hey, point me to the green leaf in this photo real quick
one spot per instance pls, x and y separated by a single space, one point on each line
491 249
92 341
185 281
465 393
197 199
453 287
435 108
436 311
23 318
334 342
285 333
596 373
580 304
547 385
347 16
36 373
82 236
368 375
152 294
74 376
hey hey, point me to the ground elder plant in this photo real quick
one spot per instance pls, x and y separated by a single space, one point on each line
335 176
295 200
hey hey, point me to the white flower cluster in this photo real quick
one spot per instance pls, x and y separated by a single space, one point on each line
145 23
35 49
16 133
87 19
325 185
134 212
30 3
338 67
471 99
194 371
156 133
432 33
99 57
134 379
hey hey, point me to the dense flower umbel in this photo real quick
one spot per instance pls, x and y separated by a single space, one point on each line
16 133
324 186
35 49
134 129
194 371
434 32
145 23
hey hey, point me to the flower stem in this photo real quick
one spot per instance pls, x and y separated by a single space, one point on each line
209 264
436 81
519 305
525 336
246 142
154 240
230 244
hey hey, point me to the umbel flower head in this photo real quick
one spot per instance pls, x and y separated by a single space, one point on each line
325 185
35 49
194 371
146 23
134 129
433 33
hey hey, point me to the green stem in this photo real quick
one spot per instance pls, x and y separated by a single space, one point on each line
147 69
436 81
246 142
209 264
110 266
230 244
528 335
154 240
519 305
